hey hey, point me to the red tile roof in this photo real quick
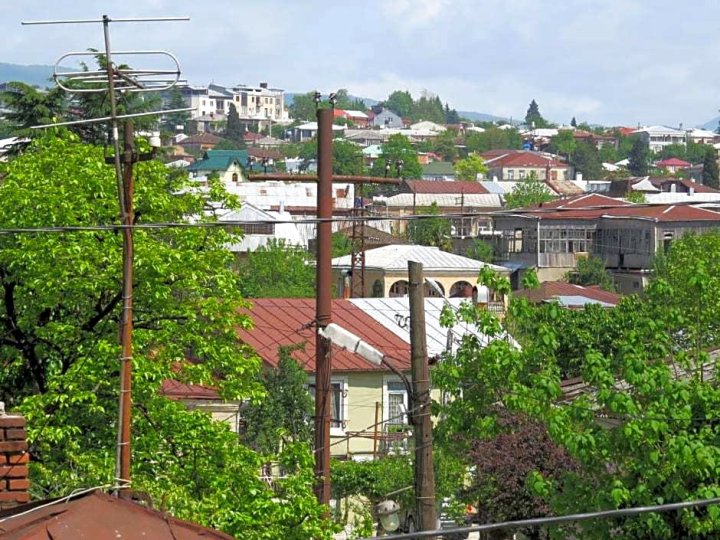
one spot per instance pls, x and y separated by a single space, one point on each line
97 515
430 186
550 289
588 200
201 138
661 213
521 158
673 162
279 322
177 390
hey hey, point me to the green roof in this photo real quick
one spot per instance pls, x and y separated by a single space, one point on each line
219 160
438 168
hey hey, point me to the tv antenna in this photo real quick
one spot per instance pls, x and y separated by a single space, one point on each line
111 80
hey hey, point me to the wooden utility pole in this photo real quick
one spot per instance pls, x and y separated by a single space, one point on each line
422 423
323 306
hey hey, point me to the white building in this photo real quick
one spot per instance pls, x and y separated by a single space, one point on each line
658 137
269 225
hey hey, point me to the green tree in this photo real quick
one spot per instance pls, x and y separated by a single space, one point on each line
397 148
451 115
428 107
401 103
277 271
347 158
445 145
573 122
530 191
234 130
591 271
639 158
59 316
470 167
341 244
533 118
711 174
637 197
431 231
27 106
481 250
171 121
303 107
586 160
563 143
493 139
285 414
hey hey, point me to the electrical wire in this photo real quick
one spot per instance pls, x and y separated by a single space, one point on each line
554 520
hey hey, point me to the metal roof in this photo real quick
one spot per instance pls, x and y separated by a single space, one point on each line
394 314
99 516
395 257
579 301
287 321
549 290
478 200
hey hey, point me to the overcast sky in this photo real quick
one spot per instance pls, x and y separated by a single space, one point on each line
602 61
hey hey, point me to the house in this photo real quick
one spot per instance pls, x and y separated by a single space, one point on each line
702 136
553 236
673 165
569 295
513 165
88 513
385 118
663 190
269 225
367 137
426 125
204 398
454 201
200 142
362 393
658 137
356 118
386 272
438 170
308 131
226 163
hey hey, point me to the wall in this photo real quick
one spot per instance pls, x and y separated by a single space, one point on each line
14 458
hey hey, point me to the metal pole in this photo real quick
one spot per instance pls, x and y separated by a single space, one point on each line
424 475
123 472
113 115
323 306
375 432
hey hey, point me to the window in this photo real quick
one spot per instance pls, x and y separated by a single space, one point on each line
338 404
511 174
522 174
396 403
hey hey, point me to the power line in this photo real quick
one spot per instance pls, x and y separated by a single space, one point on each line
554 520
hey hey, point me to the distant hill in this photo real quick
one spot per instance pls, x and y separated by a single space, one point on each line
33 75
712 125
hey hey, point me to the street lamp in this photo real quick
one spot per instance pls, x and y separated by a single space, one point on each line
388 512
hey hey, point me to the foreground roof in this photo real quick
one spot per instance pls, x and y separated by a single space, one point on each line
282 322
396 257
98 516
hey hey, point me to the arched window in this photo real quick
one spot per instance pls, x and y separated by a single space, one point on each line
399 288
430 292
235 177
461 289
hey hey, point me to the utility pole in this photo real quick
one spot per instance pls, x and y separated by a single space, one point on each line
323 306
422 423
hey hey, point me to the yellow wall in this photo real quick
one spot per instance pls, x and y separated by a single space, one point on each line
363 391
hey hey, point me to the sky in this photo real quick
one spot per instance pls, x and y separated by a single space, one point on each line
610 62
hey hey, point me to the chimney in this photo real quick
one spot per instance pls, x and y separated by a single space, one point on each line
14 458
263 85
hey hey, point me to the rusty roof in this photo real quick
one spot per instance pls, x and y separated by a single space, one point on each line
587 200
173 389
660 213
551 289
442 186
287 321
97 516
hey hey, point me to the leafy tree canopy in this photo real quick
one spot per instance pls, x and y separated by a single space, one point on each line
639 158
711 174
431 231
530 191
591 271
397 148
277 270
59 316
470 167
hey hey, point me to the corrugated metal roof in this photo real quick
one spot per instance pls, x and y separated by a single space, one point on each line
281 322
97 515
579 301
394 314
477 200
396 257
552 289
447 187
